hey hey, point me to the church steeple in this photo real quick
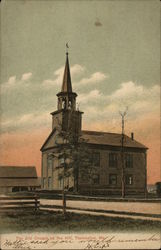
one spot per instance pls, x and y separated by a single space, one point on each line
67 86
66 114
66 98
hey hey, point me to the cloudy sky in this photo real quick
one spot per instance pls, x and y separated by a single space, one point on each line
115 62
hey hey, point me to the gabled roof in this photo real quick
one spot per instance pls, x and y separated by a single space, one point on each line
104 138
111 139
18 172
48 138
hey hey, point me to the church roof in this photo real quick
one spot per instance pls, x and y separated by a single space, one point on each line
103 138
111 139
66 86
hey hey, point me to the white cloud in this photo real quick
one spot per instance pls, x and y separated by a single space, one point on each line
94 78
131 91
96 105
26 76
75 70
128 89
57 81
48 83
25 118
9 84
26 121
11 80
93 95
140 100
59 72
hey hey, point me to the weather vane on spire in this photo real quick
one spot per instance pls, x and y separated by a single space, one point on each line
67 47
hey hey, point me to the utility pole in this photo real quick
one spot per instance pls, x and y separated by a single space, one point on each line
64 176
63 193
123 114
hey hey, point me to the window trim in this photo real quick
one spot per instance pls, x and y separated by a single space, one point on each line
96 183
115 161
49 178
60 182
113 184
127 182
96 153
49 162
44 182
84 177
129 162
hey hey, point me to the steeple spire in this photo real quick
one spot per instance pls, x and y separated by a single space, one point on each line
67 98
67 114
67 86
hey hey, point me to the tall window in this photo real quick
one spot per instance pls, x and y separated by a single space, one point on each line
61 182
84 177
96 159
44 182
50 163
129 179
129 160
95 179
113 160
112 179
49 182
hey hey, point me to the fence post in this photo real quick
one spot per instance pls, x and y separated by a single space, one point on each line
64 202
36 207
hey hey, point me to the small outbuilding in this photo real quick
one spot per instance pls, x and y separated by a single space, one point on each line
21 178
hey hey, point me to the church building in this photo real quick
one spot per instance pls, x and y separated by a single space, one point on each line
116 165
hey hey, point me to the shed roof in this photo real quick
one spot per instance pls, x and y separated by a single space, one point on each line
111 139
18 172
19 182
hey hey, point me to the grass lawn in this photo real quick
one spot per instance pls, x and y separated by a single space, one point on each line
55 222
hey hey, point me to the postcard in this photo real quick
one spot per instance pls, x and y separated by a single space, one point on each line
80 124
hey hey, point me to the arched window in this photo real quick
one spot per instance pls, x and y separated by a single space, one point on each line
64 103
70 104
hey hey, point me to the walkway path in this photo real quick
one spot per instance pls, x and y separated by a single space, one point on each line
130 207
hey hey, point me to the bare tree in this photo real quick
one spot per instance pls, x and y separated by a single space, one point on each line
74 156
123 114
